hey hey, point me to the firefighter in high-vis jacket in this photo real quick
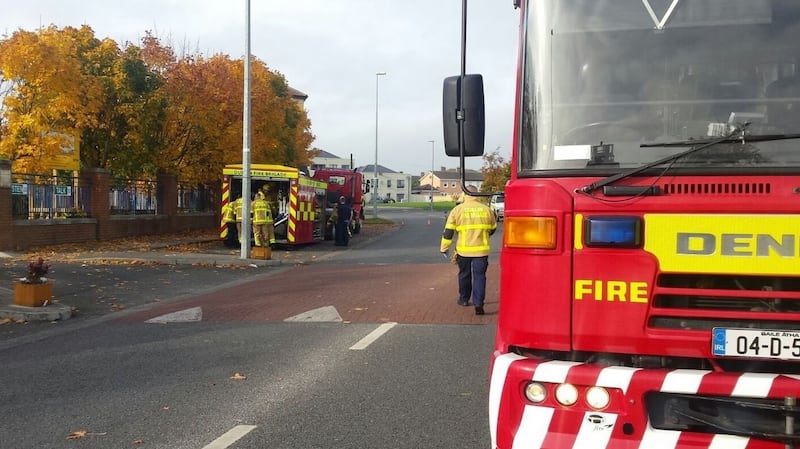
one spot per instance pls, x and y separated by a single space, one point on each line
475 223
229 220
238 208
263 230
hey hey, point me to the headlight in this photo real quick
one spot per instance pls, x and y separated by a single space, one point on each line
566 394
597 398
535 392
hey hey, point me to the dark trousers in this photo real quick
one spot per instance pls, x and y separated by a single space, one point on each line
232 239
472 279
341 236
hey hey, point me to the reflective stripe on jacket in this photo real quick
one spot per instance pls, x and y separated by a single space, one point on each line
227 213
474 222
261 212
238 206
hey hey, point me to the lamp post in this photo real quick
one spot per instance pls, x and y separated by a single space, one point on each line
375 167
245 237
430 192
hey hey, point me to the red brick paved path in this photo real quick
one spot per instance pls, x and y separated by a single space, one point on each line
410 293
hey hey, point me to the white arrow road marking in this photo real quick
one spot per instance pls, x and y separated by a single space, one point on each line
374 335
230 437
182 316
327 313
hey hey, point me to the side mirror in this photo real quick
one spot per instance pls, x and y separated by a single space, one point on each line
471 115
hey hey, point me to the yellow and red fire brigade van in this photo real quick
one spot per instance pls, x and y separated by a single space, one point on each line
297 201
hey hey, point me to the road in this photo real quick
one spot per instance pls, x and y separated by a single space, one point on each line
364 348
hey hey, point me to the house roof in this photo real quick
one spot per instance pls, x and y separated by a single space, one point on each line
424 188
470 175
297 95
325 154
369 169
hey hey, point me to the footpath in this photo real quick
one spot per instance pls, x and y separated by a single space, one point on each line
94 279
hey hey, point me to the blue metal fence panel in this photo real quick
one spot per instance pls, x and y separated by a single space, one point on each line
49 197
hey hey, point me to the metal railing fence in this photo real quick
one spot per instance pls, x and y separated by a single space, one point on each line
35 196
133 197
48 197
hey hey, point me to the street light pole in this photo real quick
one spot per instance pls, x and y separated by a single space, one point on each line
431 189
245 237
375 167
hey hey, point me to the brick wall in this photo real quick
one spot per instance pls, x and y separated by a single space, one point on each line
18 235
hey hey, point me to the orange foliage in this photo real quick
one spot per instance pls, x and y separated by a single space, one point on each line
142 109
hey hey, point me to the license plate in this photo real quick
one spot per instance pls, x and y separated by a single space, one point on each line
755 343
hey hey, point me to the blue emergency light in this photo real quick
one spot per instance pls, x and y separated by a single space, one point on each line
613 231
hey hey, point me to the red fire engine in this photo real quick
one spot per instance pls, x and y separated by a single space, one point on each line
344 183
650 264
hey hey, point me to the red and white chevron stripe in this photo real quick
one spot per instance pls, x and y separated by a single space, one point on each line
516 423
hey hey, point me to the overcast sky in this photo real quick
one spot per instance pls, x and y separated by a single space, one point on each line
331 50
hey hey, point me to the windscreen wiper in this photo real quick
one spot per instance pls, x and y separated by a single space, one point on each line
737 134
732 139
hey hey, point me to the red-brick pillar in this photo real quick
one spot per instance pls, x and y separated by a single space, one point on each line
167 185
6 215
100 181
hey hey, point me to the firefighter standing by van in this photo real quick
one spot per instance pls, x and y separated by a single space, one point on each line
229 218
263 230
475 223
238 208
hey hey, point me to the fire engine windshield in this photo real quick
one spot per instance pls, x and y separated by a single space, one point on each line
603 80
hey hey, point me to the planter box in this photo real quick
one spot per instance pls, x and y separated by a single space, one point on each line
32 295
261 252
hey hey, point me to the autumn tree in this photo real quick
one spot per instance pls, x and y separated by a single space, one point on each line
48 96
204 118
128 136
140 109
281 127
496 172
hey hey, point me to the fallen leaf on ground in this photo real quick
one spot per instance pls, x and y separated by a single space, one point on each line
238 376
77 434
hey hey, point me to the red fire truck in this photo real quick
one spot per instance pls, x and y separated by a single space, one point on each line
344 183
650 260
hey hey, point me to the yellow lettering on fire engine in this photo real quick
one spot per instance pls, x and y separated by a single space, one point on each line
611 291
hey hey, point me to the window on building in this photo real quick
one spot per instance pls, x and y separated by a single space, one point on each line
388 183
444 184
401 183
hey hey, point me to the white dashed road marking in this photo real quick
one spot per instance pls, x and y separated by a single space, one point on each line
322 314
374 335
230 437
182 316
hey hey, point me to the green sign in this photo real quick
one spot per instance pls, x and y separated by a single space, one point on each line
63 190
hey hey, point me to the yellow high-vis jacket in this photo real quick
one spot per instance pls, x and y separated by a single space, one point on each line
261 212
238 207
475 223
228 213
